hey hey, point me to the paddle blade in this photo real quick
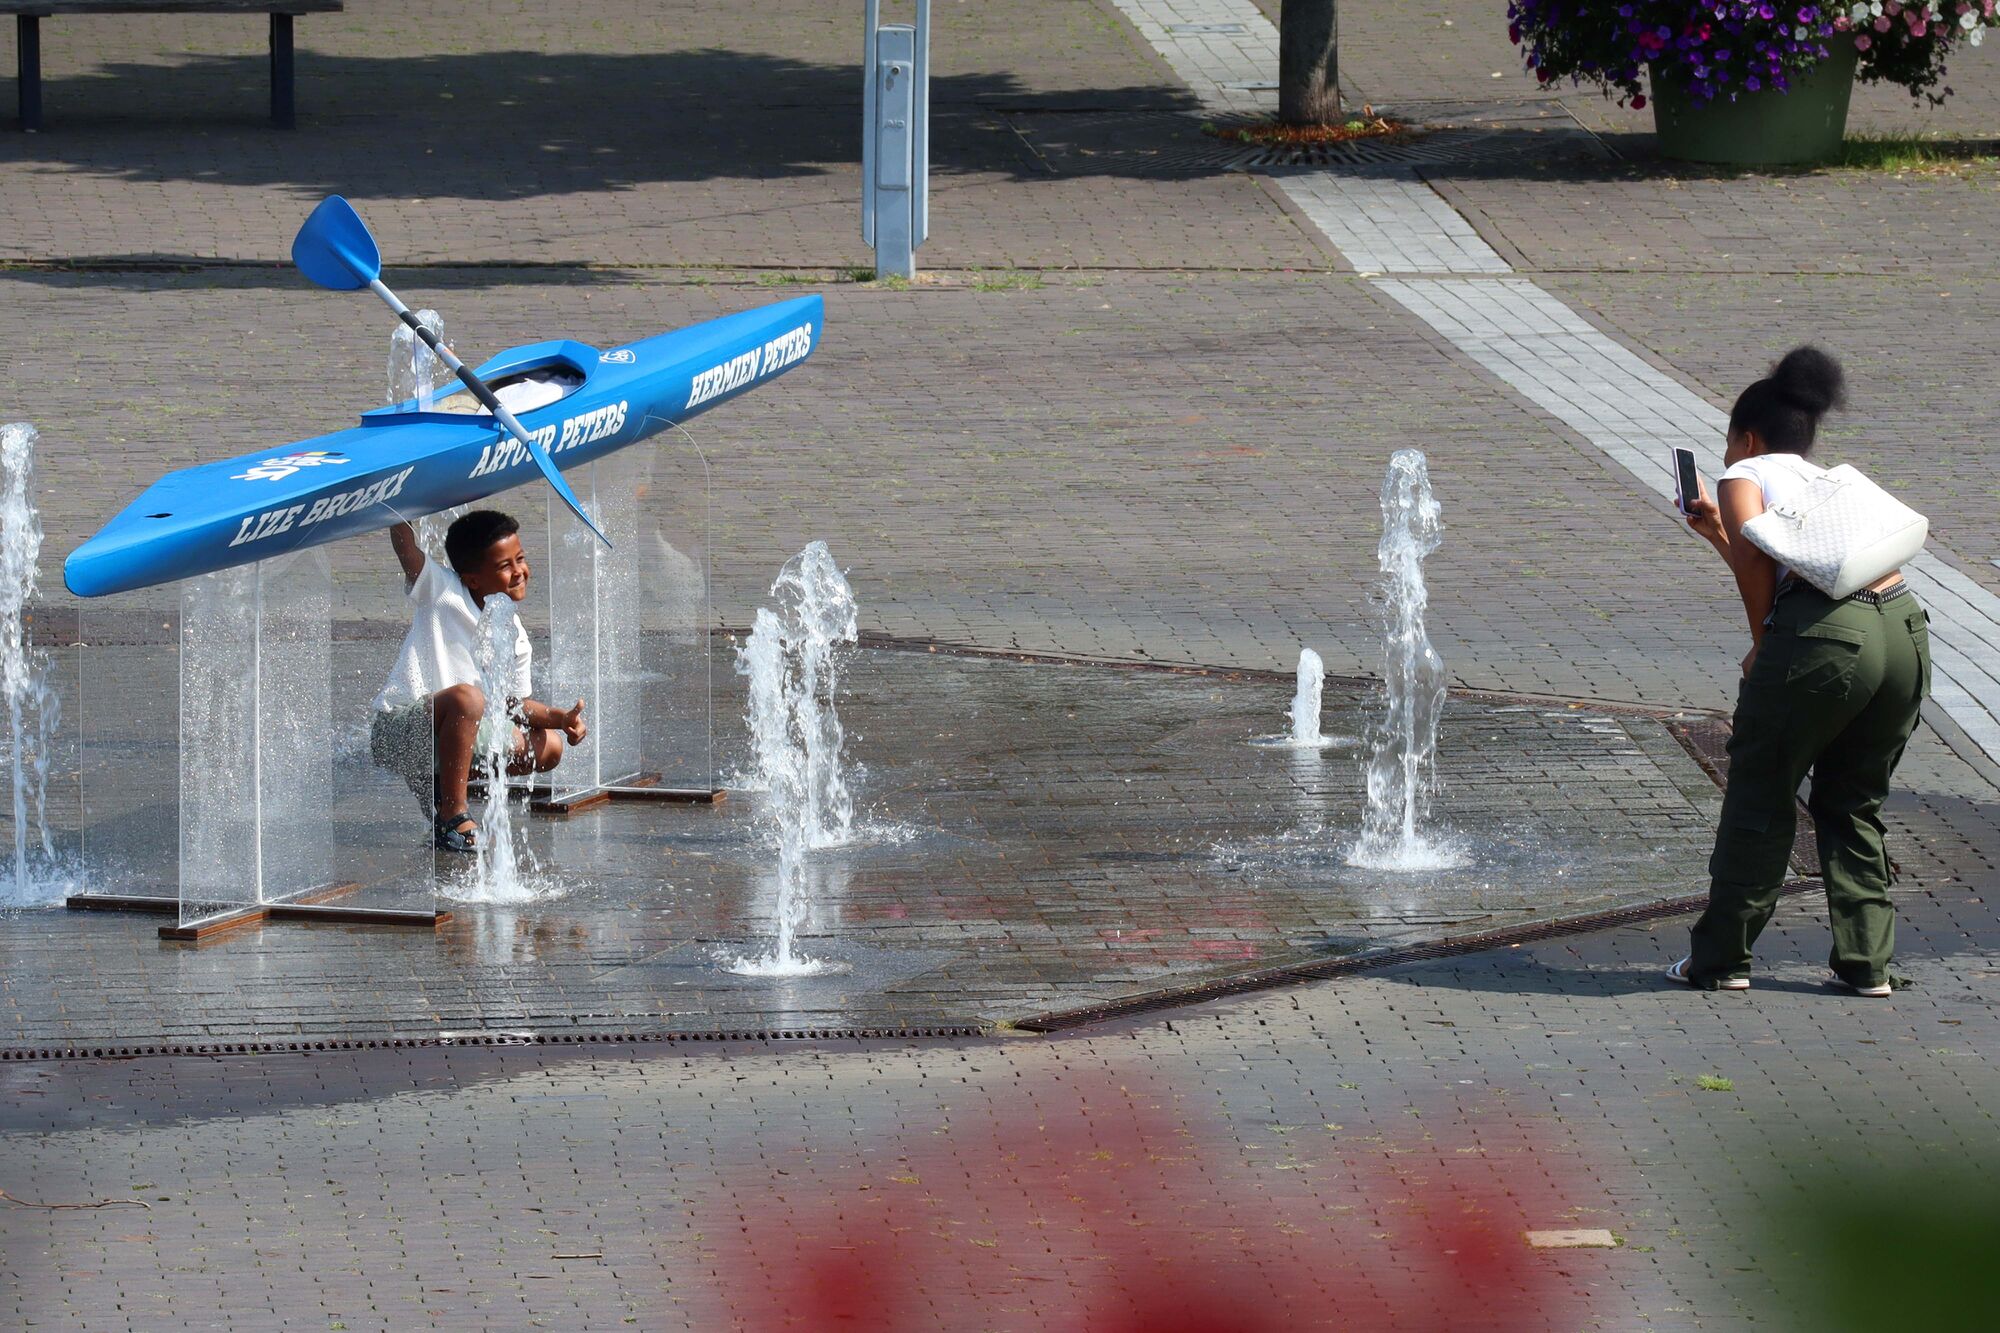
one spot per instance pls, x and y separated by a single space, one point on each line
334 248
555 479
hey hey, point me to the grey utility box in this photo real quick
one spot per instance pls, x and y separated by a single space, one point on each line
895 139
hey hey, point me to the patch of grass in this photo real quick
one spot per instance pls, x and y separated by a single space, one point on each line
1015 281
1713 1083
865 277
788 279
1902 153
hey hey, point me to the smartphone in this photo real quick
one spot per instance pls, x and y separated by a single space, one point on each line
1687 485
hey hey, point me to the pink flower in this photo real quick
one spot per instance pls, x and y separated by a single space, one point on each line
1882 23
1918 29
1863 42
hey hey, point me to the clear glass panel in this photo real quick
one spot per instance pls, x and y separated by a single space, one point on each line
128 742
256 741
383 774
629 626
39 828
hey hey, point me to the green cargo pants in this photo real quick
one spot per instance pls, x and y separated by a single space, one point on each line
1834 691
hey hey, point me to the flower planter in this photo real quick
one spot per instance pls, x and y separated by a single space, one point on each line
1764 128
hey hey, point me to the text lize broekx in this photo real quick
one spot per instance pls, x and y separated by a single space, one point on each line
271 522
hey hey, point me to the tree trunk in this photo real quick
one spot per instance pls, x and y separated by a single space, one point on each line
1308 62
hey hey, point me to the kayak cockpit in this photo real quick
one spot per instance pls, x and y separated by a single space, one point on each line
524 379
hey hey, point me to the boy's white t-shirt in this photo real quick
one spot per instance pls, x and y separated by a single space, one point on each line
1779 477
442 648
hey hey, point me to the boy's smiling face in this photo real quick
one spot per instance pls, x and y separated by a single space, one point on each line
504 568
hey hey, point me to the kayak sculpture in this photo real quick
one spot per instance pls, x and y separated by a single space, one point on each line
401 463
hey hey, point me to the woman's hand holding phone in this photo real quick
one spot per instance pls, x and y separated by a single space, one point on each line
1705 517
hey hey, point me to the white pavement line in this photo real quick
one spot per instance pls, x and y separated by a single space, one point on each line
1551 356
1384 222
1389 222
1216 46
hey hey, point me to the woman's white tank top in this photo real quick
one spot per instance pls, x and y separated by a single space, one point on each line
1779 476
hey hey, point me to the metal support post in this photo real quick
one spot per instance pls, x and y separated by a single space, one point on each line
895 139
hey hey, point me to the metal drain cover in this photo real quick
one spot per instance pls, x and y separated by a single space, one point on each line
1436 146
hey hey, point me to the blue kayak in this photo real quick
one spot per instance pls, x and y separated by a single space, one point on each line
401 462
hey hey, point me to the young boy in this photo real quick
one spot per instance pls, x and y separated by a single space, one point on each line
427 718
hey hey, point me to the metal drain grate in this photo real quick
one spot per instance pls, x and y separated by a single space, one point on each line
1435 147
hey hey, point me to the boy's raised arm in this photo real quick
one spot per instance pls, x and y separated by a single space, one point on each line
409 554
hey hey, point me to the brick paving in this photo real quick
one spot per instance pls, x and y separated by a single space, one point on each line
1925 423
1186 517
1191 479
1314 1131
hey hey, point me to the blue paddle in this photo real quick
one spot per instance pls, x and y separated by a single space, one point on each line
335 250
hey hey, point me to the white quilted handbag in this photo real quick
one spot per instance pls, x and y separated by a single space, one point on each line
1840 532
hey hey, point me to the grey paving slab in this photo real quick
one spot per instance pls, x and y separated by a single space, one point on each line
1655 217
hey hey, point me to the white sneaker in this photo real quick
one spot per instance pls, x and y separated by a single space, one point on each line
1679 972
1879 990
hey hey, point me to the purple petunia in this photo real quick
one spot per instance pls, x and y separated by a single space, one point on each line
1720 48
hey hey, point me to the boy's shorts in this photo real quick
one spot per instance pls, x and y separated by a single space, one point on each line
404 741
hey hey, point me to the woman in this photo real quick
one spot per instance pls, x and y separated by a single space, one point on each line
1831 688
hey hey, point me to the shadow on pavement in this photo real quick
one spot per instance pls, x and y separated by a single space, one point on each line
514 124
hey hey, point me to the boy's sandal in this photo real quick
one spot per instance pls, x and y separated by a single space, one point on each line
454 833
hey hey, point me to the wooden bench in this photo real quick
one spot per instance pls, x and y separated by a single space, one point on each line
28 39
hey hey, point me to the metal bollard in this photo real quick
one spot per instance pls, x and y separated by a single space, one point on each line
895 139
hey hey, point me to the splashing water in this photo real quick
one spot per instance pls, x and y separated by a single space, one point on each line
1402 773
1306 702
816 612
415 371
780 755
33 708
498 867
792 662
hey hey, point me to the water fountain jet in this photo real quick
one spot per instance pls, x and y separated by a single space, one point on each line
792 662
33 708
1307 700
497 869
1402 771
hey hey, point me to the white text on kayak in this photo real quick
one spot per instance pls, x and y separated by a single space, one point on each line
583 428
733 374
256 527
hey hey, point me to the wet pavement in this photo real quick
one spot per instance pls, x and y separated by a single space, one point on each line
1031 838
